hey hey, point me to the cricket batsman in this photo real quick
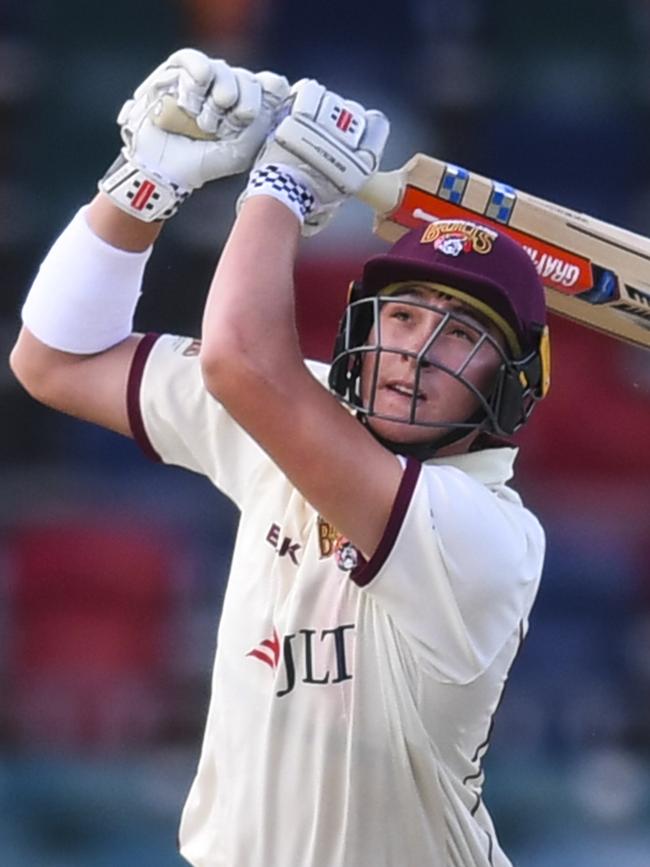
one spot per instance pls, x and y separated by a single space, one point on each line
384 569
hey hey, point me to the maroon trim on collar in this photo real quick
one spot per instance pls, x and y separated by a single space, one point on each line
366 571
136 422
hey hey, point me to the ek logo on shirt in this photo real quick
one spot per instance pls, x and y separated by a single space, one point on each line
309 656
285 548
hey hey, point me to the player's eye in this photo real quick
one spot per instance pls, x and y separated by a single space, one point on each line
400 313
462 331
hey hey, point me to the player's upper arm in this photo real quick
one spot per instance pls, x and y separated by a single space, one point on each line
90 387
462 571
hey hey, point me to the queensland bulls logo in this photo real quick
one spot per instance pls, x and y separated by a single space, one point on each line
452 245
453 237
332 543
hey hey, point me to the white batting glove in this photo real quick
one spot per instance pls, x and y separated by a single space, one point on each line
322 151
231 108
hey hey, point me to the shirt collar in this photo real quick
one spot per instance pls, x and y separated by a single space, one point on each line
488 466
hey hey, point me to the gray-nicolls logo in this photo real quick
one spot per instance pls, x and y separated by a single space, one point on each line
310 656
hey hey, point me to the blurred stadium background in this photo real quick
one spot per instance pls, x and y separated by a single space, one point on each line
112 569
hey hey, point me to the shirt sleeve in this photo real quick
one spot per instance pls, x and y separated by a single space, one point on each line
457 569
175 420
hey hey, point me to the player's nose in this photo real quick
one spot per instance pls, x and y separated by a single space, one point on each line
421 344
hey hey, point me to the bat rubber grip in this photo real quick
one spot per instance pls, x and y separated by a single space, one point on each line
170 117
383 191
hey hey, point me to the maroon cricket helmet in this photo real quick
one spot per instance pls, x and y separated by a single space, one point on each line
474 259
485 270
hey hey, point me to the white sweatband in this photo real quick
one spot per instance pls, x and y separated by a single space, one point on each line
85 293
284 184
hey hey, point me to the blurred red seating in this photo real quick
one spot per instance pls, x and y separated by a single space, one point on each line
90 612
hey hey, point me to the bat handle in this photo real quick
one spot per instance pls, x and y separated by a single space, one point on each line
382 192
170 117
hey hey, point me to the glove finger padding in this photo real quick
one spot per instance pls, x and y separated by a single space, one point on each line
187 73
196 64
225 90
275 87
195 76
250 98
375 137
223 95
190 96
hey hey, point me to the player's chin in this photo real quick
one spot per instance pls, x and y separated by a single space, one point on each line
404 432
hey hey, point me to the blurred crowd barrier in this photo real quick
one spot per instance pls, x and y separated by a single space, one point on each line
112 570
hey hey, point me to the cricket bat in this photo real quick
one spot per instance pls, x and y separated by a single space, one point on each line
594 273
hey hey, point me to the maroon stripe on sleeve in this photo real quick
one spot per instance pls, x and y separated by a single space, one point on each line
364 574
133 408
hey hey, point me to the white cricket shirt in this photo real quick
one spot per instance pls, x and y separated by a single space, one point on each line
351 702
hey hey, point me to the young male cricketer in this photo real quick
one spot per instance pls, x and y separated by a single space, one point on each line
384 571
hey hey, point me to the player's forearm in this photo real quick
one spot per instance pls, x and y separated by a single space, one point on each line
249 315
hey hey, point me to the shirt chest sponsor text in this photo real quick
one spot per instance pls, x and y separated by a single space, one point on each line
314 657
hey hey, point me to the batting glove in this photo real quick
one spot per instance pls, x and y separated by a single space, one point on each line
323 150
230 108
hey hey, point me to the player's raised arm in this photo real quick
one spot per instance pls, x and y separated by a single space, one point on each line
76 347
250 353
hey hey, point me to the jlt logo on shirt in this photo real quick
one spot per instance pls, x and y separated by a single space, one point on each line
310 656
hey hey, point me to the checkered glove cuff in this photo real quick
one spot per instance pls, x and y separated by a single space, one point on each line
284 185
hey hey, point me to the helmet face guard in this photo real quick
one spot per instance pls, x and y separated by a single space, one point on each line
516 387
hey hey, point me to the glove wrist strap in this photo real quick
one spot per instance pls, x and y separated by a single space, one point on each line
141 194
284 184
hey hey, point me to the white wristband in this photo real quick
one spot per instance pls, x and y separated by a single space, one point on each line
85 293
